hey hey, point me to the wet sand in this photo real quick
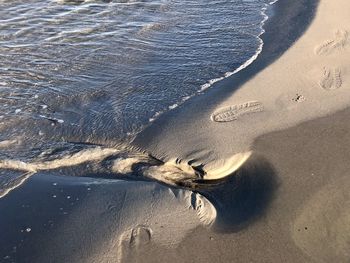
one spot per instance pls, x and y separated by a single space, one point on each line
297 211
289 202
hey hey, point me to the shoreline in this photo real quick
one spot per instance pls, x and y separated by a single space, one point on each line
268 7
190 122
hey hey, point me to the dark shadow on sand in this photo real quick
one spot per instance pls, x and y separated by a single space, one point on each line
244 197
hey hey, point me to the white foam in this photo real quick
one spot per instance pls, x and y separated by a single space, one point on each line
155 116
250 60
173 106
15 183
273 2
186 98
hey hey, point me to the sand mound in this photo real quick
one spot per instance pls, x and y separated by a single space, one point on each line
181 172
222 168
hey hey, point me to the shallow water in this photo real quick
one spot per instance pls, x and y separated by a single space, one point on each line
76 73
127 59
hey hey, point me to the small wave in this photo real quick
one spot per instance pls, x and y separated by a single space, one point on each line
171 107
250 60
10 180
154 117
211 82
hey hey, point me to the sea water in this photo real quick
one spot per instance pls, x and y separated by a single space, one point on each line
96 72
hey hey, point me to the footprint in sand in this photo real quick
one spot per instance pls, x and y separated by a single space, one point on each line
137 237
232 113
331 79
140 236
341 39
322 226
132 240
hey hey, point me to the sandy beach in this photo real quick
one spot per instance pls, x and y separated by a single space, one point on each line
300 76
277 131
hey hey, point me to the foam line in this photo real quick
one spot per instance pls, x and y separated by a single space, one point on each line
211 82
